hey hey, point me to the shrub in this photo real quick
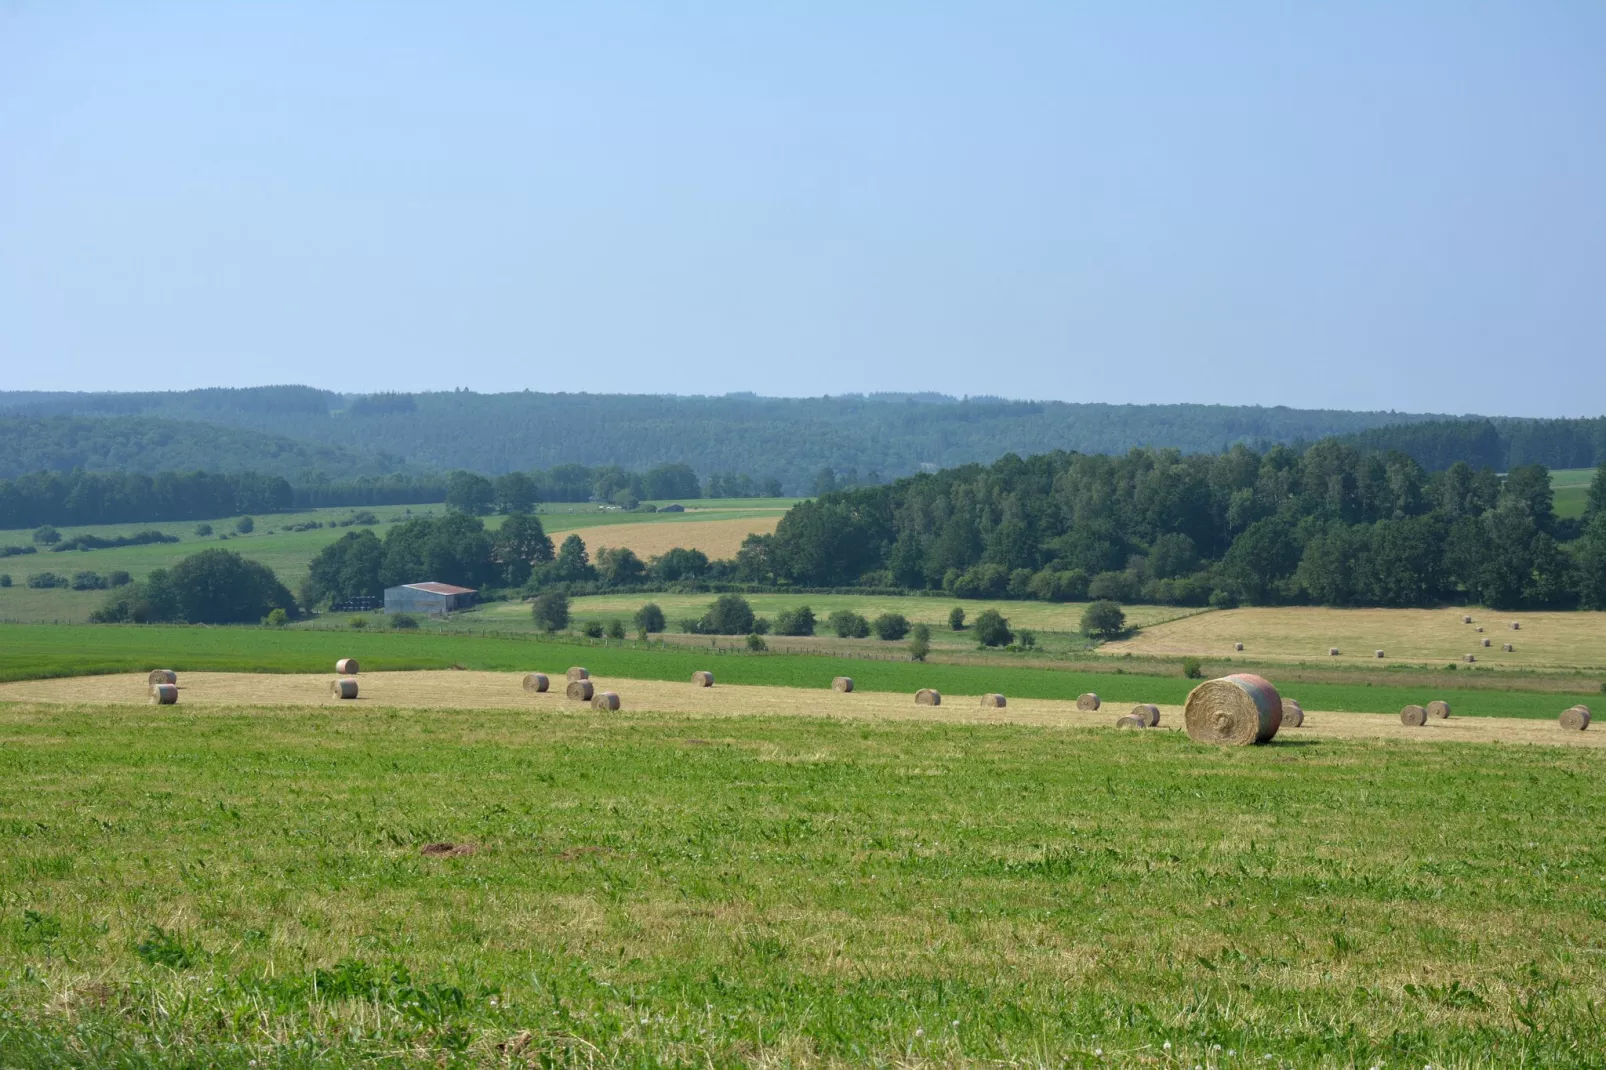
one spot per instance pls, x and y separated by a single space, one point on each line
118 578
276 618
405 622
956 619
43 580
592 629
799 621
46 535
359 622
729 615
891 626
5 579
848 624
756 643
992 629
245 525
649 618
920 642
616 629
84 580
690 625
1103 619
1027 639
1115 587
203 529
1222 600
551 611
761 625
1192 668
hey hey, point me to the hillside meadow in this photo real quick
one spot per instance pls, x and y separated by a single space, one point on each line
280 887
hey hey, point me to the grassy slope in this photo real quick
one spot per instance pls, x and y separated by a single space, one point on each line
216 889
1571 486
33 651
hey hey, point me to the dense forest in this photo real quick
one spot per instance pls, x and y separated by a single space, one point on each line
1330 525
860 439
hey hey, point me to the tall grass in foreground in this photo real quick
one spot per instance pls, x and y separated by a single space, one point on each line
247 888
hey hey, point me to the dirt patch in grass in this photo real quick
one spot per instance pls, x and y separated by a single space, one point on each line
448 850
444 689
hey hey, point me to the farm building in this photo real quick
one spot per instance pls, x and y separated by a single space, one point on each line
435 599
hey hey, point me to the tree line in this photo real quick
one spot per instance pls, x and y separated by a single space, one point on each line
1331 525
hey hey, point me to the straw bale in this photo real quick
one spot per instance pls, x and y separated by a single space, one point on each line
1237 646
1130 721
1415 716
1088 701
842 683
1377 653
580 690
578 672
1146 712
536 681
1438 708
1293 714
164 694
1466 620
605 700
162 676
346 666
1575 719
927 697
345 687
1235 710
1508 648
994 701
1332 651
702 678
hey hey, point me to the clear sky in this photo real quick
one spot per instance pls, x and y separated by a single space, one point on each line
1395 205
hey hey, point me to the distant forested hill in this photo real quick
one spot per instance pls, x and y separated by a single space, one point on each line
147 445
790 439
1499 443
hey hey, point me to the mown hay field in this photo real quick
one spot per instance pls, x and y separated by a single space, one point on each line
1305 633
370 885
718 538
459 690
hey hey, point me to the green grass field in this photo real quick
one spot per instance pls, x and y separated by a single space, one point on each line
247 889
36 651
288 553
1571 487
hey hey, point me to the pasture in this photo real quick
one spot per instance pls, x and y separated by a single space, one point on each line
239 885
1571 488
1562 640
289 553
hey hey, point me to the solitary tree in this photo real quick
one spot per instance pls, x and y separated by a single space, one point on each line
956 619
992 629
1103 620
891 626
920 642
551 611
650 618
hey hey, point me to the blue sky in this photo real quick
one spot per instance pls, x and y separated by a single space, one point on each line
1357 205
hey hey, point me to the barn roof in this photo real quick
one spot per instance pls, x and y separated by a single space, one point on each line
439 588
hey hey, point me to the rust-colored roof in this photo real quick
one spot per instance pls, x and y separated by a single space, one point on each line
439 588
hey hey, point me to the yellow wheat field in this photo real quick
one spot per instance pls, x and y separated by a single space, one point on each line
424 691
1305 633
716 538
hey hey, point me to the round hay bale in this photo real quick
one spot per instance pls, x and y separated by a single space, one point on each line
843 684
1332 651
1235 710
1470 658
1516 625
1480 628
345 687
1377 653
162 676
1487 640
994 701
1237 646
1438 708
1415 716
1147 712
927 697
1466 620
605 700
536 681
346 666
578 672
1088 701
1509 648
580 690
1130 721
164 694
1293 714
1575 719
702 678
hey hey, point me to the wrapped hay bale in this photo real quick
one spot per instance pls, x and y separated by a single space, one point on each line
1147 712
927 697
1089 701
702 678
578 672
536 681
164 694
1332 651
1509 648
162 676
345 687
1130 721
580 690
1293 714
1438 708
1575 719
1466 620
1235 710
842 683
346 666
994 701
1377 653
1415 716
605 700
